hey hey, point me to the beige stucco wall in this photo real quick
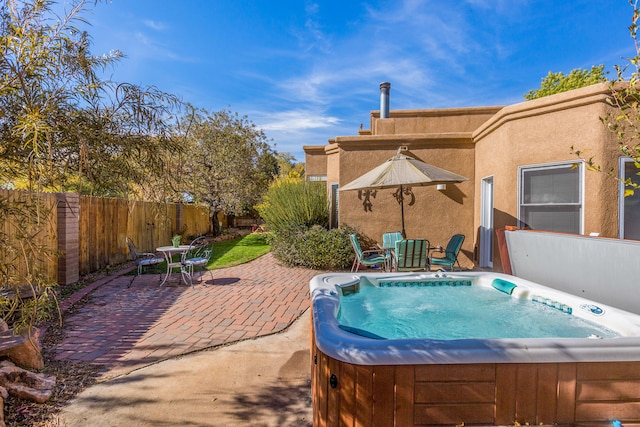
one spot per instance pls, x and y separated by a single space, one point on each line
443 120
438 137
333 163
477 143
315 160
434 215
544 131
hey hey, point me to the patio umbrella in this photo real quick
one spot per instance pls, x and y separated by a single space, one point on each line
403 172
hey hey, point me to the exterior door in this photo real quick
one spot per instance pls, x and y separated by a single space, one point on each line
486 223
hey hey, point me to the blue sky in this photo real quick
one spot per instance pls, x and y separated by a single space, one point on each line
308 71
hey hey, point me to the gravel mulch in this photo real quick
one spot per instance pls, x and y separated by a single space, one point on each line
71 378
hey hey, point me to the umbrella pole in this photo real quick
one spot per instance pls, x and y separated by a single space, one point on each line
404 234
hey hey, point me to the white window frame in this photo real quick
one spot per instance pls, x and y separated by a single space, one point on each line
487 217
555 165
622 161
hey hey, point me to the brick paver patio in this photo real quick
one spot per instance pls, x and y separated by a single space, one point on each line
124 328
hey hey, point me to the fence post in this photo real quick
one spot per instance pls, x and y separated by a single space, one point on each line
68 238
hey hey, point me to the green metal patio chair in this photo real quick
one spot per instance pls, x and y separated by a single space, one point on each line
389 246
389 239
369 257
451 252
411 255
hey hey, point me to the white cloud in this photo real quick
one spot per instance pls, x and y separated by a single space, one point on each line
144 47
155 25
292 129
293 121
319 39
499 6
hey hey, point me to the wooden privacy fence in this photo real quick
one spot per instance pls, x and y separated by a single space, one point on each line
89 233
22 235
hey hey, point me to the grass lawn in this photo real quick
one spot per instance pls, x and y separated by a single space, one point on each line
238 251
225 254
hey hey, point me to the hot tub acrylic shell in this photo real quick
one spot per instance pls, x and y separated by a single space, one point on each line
362 381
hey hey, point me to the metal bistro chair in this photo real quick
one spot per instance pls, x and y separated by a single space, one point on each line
368 258
142 259
412 255
451 252
198 255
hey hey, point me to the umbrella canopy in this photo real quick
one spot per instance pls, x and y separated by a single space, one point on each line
403 171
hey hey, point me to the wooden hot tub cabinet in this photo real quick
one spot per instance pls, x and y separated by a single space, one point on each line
590 394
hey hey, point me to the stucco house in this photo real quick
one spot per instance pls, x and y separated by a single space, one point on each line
521 164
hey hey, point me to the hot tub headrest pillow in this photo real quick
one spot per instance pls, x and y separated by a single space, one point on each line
503 286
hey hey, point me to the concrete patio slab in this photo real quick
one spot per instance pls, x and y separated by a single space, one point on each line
166 353
259 382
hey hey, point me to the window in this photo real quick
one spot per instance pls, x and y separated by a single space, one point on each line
551 197
630 205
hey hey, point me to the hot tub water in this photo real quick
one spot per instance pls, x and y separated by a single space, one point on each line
458 312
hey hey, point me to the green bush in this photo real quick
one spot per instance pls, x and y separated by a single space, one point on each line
293 204
314 247
296 214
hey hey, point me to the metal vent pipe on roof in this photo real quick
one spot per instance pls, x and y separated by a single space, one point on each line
385 87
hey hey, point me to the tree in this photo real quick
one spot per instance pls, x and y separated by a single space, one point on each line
287 166
123 145
229 165
37 68
624 120
61 126
558 82
625 97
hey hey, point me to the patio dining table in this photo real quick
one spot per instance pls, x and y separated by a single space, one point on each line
168 252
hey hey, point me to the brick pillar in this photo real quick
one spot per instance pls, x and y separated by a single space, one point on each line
68 238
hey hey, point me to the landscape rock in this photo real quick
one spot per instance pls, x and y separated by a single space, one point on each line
28 354
25 384
3 396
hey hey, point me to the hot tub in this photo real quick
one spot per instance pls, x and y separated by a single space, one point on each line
361 379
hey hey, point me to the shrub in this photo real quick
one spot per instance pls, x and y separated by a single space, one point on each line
296 213
314 247
292 204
